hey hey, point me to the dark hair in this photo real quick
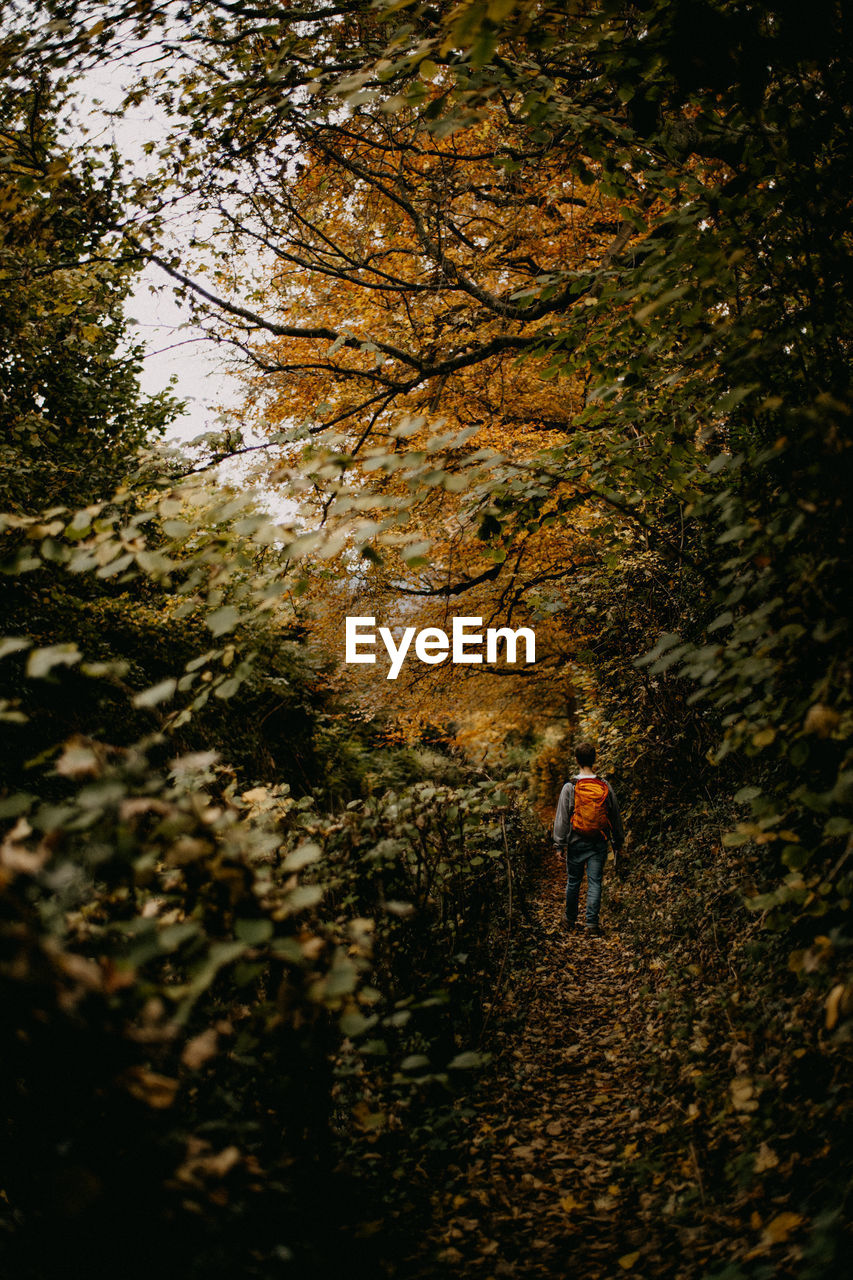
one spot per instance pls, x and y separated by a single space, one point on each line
585 754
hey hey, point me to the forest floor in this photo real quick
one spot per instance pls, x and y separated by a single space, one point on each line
577 1162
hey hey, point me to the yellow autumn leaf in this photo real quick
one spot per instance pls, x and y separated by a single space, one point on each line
780 1227
765 1159
839 1004
627 1260
255 795
150 1087
742 1091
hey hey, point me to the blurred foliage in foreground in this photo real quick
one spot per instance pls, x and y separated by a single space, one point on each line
244 936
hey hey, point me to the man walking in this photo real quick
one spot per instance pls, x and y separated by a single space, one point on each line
587 815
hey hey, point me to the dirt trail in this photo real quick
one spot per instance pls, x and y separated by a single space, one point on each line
550 1186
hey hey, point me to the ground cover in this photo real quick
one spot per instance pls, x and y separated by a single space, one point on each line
638 1116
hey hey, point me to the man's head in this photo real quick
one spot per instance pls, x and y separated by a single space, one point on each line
585 754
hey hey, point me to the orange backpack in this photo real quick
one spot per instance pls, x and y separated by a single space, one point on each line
589 816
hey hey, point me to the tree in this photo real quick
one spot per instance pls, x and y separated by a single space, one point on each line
433 444
70 408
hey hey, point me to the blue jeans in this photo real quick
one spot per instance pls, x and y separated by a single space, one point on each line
591 854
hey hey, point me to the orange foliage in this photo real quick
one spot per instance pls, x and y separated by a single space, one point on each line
420 416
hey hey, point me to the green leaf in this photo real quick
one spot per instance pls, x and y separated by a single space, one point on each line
228 687
468 1061
415 1062
13 644
353 1023
220 954
254 932
13 806
665 642
722 620
223 620
156 693
42 661
303 897
302 857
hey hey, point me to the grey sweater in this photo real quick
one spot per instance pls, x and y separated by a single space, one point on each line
564 833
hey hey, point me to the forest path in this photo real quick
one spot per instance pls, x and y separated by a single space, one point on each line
561 1177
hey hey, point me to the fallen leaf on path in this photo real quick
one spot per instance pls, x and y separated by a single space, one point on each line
200 1049
742 1091
150 1087
839 1004
766 1159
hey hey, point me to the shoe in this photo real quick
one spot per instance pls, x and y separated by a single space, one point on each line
570 924
593 930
